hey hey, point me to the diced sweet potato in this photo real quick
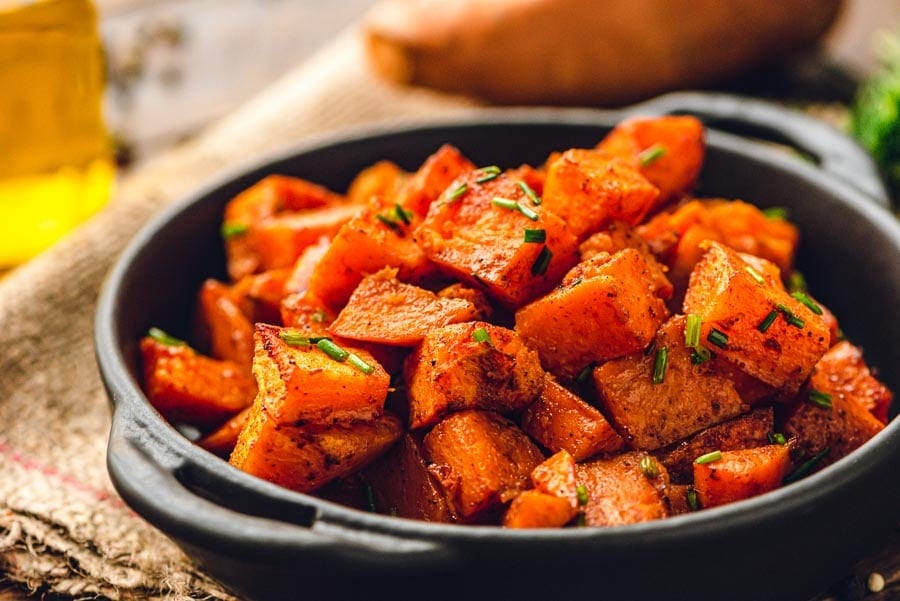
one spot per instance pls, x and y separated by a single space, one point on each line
677 498
587 189
223 440
230 332
483 244
679 138
304 458
403 486
304 385
386 311
383 179
619 235
259 295
451 371
478 299
730 300
480 460
848 376
688 399
189 388
560 420
741 474
302 271
744 432
534 509
432 178
620 493
307 314
609 312
556 476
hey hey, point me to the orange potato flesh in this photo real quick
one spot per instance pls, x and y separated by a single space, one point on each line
556 476
432 178
620 493
849 377
689 398
741 474
230 332
383 179
386 311
477 298
451 371
223 440
301 273
534 509
307 314
259 295
560 421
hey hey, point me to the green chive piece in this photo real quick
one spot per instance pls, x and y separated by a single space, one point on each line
806 467
810 303
294 339
700 355
576 281
481 335
232 230
529 192
164 337
585 373
487 174
332 350
539 267
755 275
580 520
692 330
796 281
539 236
317 339
708 458
319 316
582 492
841 335
457 192
720 339
819 398
789 316
651 155
693 500
370 498
528 212
402 214
659 365
649 467
775 213
505 203
388 221
360 364
776 438
768 321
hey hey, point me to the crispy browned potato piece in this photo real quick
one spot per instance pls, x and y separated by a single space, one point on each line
736 301
300 384
222 441
587 189
556 476
259 295
741 474
432 178
186 387
384 310
620 235
230 332
305 458
745 432
850 377
610 311
452 370
560 420
480 460
535 509
620 493
403 486
688 399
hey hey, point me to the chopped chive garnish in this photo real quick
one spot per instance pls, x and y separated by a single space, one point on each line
789 316
332 350
582 492
796 281
294 339
692 330
402 214
810 303
819 398
457 192
708 458
651 155
481 335
755 275
319 316
776 438
370 498
700 355
231 230
720 339
650 349
775 213
692 500
388 221
317 339
360 364
806 467
529 192
528 212
768 321
505 203
539 267
585 373
649 467
580 520
487 174
539 236
165 338
576 281
659 365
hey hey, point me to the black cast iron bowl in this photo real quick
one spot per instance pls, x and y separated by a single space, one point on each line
265 542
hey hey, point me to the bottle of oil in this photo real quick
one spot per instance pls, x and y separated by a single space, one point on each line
56 166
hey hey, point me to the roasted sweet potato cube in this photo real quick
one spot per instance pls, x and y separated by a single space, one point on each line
480 460
383 179
745 432
301 273
587 189
677 498
620 235
259 295
560 420
686 399
386 311
741 474
738 304
453 369
223 440
186 387
304 458
848 376
535 509
307 314
620 493
478 299
230 332
301 384
680 156
609 312
432 178
479 242
403 486
556 476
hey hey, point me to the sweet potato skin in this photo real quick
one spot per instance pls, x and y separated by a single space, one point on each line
535 509
561 421
619 493
230 332
451 371
741 474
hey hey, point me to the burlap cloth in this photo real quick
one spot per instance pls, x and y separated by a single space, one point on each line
62 528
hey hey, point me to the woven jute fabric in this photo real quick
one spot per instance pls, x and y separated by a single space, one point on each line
63 529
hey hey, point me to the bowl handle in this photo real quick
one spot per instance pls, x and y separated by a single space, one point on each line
836 153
